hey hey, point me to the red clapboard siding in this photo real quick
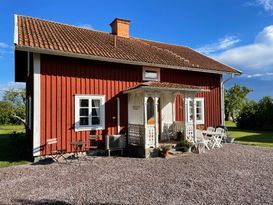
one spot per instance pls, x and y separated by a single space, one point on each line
62 78
207 81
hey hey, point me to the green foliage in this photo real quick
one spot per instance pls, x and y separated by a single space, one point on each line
257 116
13 104
235 100
6 112
16 96
184 143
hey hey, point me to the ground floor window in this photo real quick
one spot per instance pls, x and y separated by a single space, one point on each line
89 112
199 110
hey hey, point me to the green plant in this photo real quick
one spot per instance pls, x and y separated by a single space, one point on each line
184 143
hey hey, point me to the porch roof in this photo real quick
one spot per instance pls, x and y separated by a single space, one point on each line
165 86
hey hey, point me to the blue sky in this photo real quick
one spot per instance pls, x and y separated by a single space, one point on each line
237 32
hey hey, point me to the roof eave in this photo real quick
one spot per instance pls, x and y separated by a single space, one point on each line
146 88
113 60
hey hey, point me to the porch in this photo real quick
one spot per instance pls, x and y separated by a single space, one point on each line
152 113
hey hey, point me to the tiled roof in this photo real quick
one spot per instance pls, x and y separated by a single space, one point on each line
166 86
51 36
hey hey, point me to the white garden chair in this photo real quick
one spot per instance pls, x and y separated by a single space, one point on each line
211 129
220 133
201 143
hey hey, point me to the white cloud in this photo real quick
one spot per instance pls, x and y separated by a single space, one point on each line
220 45
256 57
265 76
87 26
266 4
9 85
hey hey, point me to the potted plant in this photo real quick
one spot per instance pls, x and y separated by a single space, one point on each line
184 145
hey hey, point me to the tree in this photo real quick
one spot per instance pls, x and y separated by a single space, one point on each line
235 100
16 96
15 101
257 116
6 112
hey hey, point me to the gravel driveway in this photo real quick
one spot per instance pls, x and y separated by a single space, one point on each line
235 174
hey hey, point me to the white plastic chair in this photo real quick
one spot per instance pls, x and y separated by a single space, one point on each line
201 142
220 133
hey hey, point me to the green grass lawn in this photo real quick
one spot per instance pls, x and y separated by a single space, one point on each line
248 137
12 147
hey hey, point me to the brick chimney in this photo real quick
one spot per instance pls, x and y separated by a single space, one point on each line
120 27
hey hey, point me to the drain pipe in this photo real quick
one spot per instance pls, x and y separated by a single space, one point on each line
223 98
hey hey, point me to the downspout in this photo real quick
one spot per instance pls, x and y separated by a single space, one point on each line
223 98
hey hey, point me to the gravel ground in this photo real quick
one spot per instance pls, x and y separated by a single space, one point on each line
235 174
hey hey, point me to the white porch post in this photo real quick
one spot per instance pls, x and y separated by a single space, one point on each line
145 120
156 120
194 118
185 109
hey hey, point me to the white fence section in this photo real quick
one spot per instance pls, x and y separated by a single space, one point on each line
150 136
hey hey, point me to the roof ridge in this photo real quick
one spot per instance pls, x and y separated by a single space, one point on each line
65 24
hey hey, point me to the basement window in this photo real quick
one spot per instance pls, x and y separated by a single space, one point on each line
200 116
89 112
151 74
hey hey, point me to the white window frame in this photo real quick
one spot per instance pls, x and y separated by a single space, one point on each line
79 127
202 121
145 69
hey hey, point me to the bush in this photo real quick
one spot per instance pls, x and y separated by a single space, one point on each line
6 112
257 116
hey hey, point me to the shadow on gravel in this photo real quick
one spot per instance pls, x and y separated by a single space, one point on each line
41 202
54 202
45 161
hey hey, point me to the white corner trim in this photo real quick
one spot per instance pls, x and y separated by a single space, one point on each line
36 104
15 29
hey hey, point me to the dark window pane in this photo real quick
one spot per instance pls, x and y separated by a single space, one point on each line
95 112
198 110
198 117
84 120
84 111
95 120
95 103
84 103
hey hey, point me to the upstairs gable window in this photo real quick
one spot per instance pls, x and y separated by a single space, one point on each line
151 74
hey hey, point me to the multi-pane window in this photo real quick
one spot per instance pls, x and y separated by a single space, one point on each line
199 110
89 112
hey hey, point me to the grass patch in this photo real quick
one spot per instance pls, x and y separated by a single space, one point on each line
250 137
9 129
13 145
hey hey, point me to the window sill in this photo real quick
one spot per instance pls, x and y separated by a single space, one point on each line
78 129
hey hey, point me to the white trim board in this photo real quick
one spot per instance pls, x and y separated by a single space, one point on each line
36 104
15 29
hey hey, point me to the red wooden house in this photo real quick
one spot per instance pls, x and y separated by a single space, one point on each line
81 82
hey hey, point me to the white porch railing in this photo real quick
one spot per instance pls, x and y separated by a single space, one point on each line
150 136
